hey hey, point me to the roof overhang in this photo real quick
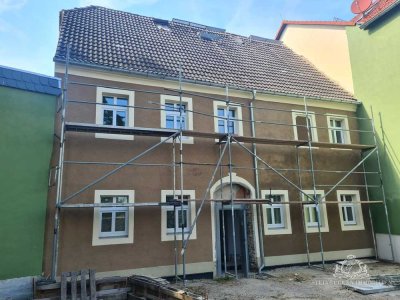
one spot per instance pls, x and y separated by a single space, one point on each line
380 15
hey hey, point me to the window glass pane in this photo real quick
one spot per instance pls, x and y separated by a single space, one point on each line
276 198
221 126
170 122
183 108
106 219
107 117
231 127
106 199
338 123
344 213
108 100
232 113
121 118
269 216
350 216
348 198
221 112
339 139
277 214
307 215
169 198
180 218
178 123
169 106
170 219
122 199
120 221
122 101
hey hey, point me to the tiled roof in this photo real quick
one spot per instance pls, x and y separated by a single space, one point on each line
331 23
28 81
377 9
121 41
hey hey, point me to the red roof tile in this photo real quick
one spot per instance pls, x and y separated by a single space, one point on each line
379 7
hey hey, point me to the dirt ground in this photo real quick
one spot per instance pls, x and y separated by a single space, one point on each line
291 283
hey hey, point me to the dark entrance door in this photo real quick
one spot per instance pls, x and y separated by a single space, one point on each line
226 240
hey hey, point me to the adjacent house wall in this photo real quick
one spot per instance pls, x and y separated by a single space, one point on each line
375 63
323 46
26 139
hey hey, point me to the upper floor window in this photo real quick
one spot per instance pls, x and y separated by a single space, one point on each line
314 214
277 214
114 108
304 126
228 120
177 217
172 113
113 224
338 129
351 216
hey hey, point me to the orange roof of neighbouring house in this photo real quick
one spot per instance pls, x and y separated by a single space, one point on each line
377 9
330 23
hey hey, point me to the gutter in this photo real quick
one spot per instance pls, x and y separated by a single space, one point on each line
384 12
150 75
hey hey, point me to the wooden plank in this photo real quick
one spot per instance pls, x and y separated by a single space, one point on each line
64 286
92 280
74 276
83 284
110 292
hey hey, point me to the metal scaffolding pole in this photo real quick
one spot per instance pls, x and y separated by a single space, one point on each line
382 186
174 197
303 220
317 202
229 141
60 168
223 212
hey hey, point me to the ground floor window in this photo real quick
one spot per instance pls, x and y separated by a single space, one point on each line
277 214
314 214
351 216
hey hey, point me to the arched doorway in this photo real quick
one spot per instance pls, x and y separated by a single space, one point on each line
231 226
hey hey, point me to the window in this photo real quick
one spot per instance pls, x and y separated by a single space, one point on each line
314 213
234 114
276 215
351 216
172 216
300 119
114 108
171 113
338 130
113 224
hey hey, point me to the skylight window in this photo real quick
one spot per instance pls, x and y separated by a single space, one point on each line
208 36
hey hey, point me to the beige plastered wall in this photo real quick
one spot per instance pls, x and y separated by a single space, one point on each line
324 46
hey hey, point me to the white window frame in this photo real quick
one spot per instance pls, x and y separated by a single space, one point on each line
357 211
311 228
345 130
168 235
130 95
189 114
311 115
238 119
99 239
285 212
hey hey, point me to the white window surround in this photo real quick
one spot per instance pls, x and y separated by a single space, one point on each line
357 209
96 239
311 115
346 132
165 236
238 109
323 212
102 91
287 229
189 114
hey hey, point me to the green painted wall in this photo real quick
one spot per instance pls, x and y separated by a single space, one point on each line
26 139
375 62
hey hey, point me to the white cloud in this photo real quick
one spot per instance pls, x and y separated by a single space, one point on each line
116 4
11 4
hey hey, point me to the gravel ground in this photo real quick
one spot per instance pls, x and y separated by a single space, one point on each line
290 283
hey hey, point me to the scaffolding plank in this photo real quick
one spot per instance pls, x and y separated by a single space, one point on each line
159 132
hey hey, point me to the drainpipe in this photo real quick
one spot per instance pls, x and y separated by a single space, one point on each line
257 184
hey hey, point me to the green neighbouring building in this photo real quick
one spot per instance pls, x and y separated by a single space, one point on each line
27 105
374 48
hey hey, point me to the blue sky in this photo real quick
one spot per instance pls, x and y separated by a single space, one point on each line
29 28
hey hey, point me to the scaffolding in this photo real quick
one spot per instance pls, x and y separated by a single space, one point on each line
224 142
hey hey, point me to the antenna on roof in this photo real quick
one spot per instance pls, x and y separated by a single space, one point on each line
360 6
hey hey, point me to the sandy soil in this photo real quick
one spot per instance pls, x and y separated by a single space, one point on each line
291 283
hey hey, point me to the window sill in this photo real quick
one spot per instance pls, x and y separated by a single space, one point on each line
170 236
315 229
352 227
104 241
278 231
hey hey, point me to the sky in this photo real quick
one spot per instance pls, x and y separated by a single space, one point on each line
29 28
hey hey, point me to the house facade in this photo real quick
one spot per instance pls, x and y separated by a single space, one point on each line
133 83
366 48
28 102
